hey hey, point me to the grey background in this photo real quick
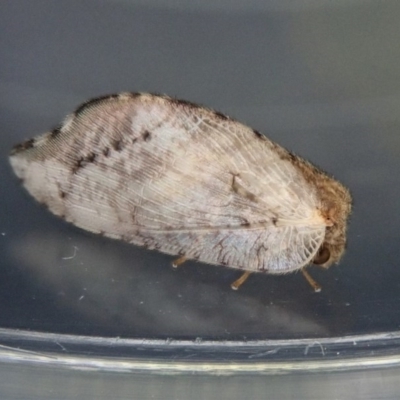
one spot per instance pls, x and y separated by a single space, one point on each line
321 78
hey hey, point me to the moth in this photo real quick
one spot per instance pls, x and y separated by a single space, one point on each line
171 175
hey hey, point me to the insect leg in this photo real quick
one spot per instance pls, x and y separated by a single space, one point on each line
317 288
176 263
239 282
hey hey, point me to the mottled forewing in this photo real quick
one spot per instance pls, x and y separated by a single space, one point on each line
178 178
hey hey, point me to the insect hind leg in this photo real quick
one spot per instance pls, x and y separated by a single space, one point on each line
316 286
239 282
179 261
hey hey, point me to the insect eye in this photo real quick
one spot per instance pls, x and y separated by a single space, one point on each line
322 256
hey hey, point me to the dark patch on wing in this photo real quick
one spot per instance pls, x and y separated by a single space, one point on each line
83 161
78 165
146 136
117 144
134 94
289 156
183 103
91 157
28 144
240 190
56 131
186 103
284 154
94 102
258 134
221 116
260 252
61 193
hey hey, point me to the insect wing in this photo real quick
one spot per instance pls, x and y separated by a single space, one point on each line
178 178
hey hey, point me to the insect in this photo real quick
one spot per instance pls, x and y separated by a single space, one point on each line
171 175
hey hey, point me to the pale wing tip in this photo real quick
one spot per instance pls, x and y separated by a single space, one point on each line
17 163
18 157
